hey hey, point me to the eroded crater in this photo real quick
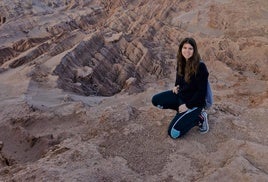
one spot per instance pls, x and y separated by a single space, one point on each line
28 139
18 146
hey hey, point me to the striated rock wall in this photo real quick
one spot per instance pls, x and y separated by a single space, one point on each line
109 65
110 49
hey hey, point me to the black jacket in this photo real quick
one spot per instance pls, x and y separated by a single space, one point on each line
194 93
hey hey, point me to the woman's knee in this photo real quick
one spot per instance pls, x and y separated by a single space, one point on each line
160 99
174 133
155 100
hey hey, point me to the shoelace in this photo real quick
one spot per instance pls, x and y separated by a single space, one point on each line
200 123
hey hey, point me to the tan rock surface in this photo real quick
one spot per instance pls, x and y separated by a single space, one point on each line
77 77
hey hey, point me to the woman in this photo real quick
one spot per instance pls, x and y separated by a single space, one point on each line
188 95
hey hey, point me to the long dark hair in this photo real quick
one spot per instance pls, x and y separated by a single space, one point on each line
189 68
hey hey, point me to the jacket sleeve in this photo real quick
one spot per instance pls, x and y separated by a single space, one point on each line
178 79
201 81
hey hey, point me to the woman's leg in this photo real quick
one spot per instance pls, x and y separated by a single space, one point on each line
183 122
167 100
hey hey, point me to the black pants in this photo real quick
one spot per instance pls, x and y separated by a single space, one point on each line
182 122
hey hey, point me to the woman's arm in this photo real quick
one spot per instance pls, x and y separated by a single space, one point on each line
201 81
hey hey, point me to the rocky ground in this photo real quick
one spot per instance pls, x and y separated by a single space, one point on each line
77 77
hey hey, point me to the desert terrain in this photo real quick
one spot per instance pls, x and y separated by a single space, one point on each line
77 78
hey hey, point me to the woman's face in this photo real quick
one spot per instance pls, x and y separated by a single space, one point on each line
187 51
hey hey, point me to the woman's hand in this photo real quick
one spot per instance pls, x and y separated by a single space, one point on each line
182 108
175 89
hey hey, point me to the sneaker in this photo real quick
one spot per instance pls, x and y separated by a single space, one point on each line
204 127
